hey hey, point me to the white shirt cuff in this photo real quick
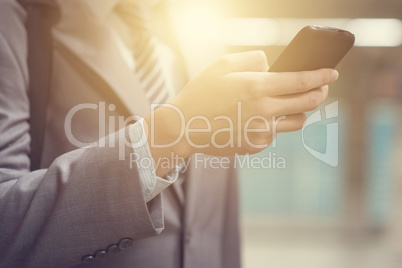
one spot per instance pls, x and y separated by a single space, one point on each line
151 184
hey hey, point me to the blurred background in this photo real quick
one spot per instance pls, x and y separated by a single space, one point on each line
300 211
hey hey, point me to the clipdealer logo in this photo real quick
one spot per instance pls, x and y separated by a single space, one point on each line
331 154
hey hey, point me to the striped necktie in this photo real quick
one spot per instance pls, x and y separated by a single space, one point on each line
148 65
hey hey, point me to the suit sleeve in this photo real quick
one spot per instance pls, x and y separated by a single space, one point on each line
87 203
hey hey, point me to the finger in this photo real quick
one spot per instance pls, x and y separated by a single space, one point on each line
250 61
290 83
298 103
288 123
276 84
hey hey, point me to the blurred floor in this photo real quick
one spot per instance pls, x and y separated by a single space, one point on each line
313 247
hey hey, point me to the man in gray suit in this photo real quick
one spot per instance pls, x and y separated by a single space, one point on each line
94 199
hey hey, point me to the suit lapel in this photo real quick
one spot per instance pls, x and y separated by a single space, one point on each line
92 41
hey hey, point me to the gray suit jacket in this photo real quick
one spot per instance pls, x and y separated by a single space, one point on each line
86 201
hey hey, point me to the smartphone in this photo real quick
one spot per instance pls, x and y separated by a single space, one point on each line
314 47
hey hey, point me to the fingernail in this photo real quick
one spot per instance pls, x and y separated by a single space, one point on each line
335 75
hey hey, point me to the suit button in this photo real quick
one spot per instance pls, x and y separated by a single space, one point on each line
125 243
88 259
100 253
113 249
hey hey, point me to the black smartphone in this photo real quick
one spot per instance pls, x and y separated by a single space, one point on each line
314 47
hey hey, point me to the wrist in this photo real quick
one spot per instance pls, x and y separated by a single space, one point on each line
163 129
